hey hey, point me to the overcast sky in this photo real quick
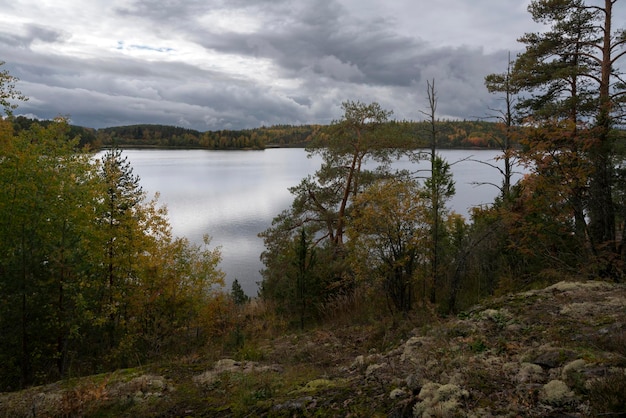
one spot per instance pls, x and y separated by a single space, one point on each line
230 64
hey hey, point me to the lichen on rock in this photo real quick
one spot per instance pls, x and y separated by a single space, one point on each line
556 393
439 400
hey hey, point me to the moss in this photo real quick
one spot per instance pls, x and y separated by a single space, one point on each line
319 385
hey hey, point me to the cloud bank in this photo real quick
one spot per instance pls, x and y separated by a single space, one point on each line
232 64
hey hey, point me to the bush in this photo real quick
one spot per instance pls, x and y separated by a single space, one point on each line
607 395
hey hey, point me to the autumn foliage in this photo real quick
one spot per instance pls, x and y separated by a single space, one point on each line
90 276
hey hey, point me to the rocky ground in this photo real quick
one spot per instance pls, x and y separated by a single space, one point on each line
558 351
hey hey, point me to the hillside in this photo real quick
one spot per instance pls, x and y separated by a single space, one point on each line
176 137
557 351
452 134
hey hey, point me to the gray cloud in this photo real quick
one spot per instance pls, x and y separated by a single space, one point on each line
244 63
30 33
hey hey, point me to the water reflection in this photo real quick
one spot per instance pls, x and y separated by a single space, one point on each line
234 195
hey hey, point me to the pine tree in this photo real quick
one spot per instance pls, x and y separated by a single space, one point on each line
122 235
237 293
572 75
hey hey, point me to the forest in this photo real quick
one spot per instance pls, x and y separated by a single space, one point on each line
452 134
91 278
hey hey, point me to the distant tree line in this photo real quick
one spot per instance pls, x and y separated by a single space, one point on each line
454 134
176 137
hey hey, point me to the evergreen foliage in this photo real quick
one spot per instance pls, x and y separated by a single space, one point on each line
237 293
453 134
90 277
575 99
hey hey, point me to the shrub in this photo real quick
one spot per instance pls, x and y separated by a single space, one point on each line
607 395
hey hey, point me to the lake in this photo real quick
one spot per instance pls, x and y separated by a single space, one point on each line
234 195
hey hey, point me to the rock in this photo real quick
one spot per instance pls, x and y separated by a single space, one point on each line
226 364
231 366
373 369
295 405
158 384
553 358
571 286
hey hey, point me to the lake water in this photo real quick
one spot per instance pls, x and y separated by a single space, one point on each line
234 195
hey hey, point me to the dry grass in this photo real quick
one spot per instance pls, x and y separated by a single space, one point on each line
607 395
361 354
